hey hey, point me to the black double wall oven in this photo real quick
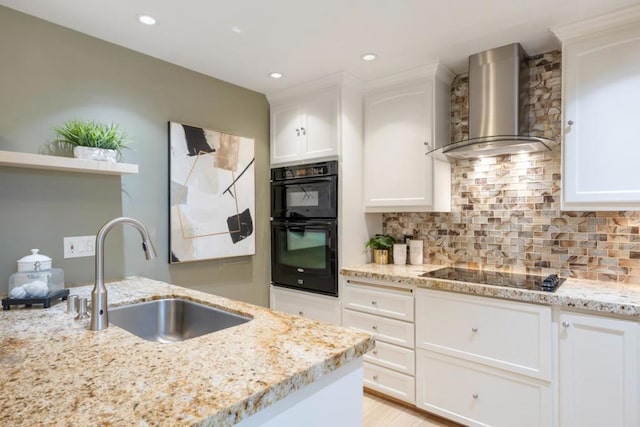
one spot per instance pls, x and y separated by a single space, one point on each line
304 227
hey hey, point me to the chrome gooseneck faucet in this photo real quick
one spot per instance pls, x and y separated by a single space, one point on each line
99 314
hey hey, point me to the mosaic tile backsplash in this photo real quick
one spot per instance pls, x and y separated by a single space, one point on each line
505 212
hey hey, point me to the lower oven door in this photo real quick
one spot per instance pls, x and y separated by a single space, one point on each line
304 255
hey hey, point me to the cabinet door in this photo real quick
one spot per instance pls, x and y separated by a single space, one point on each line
305 304
286 141
320 124
476 395
601 150
598 371
389 382
509 335
397 126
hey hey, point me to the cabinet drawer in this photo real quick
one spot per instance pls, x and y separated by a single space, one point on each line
388 303
393 357
476 395
316 307
389 382
505 334
387 330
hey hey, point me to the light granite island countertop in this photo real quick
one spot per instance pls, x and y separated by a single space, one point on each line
54 371
588 295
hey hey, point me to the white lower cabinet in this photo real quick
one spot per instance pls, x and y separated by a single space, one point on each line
504 334
312 306
483 361
598 369
388 314
390 382
474 394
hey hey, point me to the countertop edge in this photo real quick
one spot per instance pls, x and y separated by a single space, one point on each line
585 295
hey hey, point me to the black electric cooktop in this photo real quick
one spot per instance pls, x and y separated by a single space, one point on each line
498 278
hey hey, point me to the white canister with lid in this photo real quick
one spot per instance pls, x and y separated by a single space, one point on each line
34 262
399 253
415 252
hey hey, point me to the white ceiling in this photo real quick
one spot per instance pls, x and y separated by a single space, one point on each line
308 39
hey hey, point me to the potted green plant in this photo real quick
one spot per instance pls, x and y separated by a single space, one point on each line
380 244
92 140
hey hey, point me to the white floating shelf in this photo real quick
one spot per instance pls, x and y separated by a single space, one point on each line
41 161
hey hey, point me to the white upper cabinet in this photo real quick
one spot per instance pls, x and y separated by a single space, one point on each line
405 116
601 89
305 128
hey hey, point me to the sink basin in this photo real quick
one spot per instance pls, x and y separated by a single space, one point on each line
170 320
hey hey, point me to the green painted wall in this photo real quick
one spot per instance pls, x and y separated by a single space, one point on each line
49 74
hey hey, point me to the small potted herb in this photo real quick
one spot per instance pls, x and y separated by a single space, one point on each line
92 140
380 244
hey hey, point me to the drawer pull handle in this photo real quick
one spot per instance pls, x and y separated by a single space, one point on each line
301 313
374 327
374 302
566 324
475 395
474 329
375 352
375 378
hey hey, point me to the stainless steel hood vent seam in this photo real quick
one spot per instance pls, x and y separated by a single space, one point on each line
498 96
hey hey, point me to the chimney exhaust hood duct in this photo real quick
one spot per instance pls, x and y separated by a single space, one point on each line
498 93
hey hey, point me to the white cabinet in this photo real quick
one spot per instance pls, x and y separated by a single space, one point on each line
305 128
510 335
312 306
388 314
601 88
404 117
475 395
598 371
483 361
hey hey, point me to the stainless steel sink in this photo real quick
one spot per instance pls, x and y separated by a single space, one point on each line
170 320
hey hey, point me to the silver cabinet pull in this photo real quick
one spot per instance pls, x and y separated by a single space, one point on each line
304 131
297 132
475 395
301 313
375 352
375 378
374 302
374 327
566 324
474 329
570 122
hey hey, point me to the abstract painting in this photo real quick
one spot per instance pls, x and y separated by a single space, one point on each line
211 194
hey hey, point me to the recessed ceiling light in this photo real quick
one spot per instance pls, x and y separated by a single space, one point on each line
275 75
369 56
236 30
146 19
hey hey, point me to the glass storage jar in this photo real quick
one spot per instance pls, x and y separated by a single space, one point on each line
35 284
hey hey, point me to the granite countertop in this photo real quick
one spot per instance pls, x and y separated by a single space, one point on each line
53 370
589 295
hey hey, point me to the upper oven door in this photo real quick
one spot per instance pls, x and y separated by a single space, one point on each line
305 198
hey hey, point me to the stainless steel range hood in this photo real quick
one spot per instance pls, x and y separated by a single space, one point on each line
498 93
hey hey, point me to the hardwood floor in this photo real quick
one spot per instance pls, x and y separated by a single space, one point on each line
379 412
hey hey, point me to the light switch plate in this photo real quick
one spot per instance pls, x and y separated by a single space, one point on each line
79 246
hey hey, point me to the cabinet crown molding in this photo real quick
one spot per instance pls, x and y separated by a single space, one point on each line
436 69
598 24
340 79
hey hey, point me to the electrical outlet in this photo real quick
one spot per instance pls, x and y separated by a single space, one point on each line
79 246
